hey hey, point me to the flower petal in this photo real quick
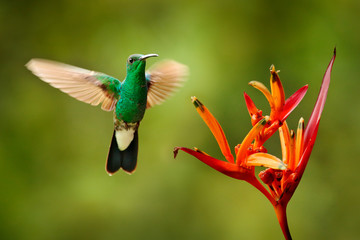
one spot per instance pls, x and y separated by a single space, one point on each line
277 90
265 160
291 160
299 145
292 102
306 154
241 153
229 169
254 112
285 142
252 109
215 128
261 87
314 120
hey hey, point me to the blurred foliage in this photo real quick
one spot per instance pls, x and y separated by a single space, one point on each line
53 148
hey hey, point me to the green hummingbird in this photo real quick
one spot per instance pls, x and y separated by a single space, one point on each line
128 99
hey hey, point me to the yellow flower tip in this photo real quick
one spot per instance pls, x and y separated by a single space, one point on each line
258 85
292 134
262 88
252 83
266 118
301 125
299 142
277 91
272 68
199 151
194 99
197 103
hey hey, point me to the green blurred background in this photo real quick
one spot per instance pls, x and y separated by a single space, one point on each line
53 148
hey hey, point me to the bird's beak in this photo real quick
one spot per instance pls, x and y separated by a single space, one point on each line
147 56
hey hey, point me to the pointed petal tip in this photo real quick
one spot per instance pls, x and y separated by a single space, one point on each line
176 151
250 104
272 68
315 116
251 83
197 103
262 88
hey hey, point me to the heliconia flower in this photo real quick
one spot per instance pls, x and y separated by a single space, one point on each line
296 150
263 128
280 108
238 169
242 166
281 176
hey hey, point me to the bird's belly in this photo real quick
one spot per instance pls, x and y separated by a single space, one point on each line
124 137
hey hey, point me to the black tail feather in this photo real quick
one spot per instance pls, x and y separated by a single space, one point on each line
126 159
113 163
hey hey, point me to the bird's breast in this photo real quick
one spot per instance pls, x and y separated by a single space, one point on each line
131 106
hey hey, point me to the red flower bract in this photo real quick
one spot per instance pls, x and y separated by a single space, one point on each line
281 176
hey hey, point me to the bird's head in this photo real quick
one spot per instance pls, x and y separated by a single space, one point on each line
137 62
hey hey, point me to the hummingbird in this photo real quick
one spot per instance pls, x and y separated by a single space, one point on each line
128 99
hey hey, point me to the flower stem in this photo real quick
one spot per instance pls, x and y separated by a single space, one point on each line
280 211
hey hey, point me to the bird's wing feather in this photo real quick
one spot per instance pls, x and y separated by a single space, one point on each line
84 85
163 79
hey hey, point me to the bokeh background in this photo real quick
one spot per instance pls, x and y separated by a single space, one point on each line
53 148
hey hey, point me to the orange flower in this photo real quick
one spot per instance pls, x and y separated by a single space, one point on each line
280 108
296 150
281 176
240 169
242 166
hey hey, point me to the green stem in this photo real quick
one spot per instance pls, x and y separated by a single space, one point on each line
280 211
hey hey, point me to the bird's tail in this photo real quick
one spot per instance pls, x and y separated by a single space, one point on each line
125 159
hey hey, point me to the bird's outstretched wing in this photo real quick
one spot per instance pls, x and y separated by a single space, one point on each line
84 85
163 79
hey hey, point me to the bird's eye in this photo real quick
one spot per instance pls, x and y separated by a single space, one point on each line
131 60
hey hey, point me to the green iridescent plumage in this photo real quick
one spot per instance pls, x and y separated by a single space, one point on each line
129 99
132 104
